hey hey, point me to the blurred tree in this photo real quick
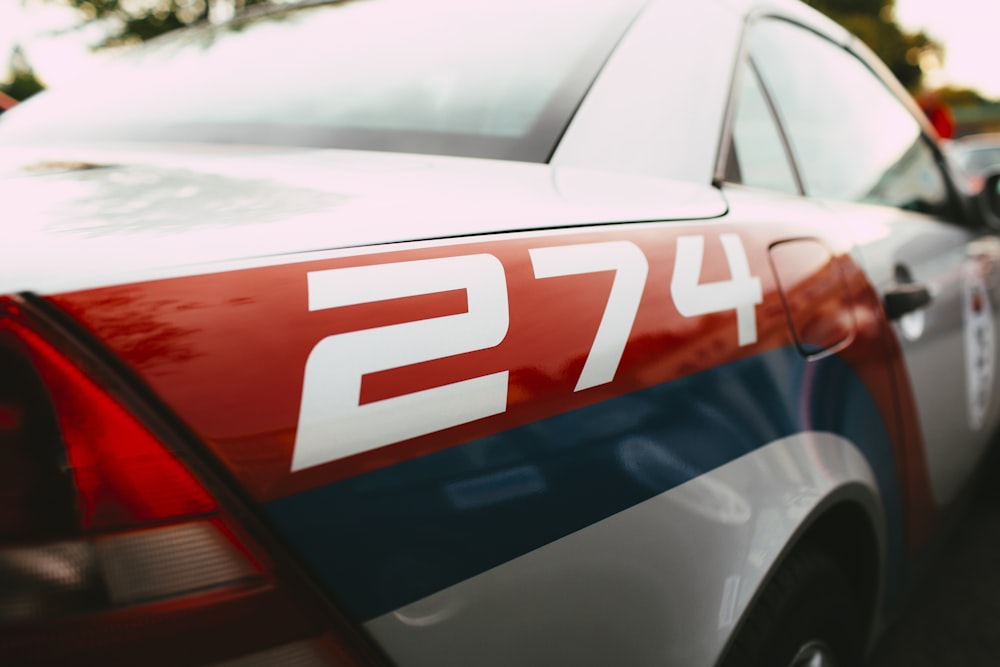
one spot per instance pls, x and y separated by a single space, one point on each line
874 23
962 97
870 7
129 21
22 83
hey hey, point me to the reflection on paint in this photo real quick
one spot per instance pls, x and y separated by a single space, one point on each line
385 539
653 465
432 610
496 488
730 599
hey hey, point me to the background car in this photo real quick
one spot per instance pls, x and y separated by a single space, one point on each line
6 102
976 155
643 333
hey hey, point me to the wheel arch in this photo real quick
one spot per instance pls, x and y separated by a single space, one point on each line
847 532
847 525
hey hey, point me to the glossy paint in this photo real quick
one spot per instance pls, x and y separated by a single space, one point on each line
817 221
611 593
462 511
945 343
179 334
95 216
590 519
385 529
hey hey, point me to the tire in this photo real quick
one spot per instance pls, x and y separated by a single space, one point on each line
808 616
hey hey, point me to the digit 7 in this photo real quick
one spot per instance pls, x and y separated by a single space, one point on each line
631 268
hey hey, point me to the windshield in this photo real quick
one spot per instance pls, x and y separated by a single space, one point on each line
455 77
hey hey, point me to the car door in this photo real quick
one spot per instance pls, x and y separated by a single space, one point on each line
860 153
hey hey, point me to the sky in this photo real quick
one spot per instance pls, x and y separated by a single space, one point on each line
967 28
39 27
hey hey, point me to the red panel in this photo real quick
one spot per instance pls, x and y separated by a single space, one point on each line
228 351
816 298
123 475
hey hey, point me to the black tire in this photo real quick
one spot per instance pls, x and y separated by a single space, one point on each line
807 610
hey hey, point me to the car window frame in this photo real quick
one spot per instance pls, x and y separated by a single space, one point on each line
732 167
957 208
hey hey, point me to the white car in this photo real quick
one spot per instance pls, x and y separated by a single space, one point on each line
975 157
467 332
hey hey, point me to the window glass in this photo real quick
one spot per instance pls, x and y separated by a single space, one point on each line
476 78
851 137
758 145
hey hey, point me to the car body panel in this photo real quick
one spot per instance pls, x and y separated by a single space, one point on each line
923 513
99 216
608 594
927 242
512 413
950 345
549 336
393 526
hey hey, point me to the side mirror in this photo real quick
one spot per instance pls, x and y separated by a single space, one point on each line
987 200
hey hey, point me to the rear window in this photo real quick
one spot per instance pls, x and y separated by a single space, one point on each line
452 77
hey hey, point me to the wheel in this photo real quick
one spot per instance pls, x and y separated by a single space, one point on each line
808 616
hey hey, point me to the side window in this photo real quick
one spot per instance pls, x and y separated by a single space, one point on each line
758 147
852 139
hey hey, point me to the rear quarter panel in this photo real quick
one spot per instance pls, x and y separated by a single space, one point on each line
630 521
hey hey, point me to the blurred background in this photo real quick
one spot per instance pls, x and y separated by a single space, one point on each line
943 52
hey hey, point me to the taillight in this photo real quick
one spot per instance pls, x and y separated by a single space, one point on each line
112 551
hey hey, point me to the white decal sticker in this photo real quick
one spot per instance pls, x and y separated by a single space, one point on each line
980 343
742 292
630 267
332 422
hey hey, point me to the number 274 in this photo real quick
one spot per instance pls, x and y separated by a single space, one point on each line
333 424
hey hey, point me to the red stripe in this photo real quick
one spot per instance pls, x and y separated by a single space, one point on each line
227 351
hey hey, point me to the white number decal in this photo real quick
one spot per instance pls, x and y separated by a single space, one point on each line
630 267
742 292
332 422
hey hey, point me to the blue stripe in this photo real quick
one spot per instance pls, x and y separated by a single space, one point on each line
388 538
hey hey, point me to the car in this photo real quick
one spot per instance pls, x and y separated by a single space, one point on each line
975 155
484 333
6 102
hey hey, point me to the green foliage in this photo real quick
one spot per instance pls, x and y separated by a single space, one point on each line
23 83
129 21
869 7
954 96
22 86
872 21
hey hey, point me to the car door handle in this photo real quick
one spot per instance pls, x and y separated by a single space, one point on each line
906 298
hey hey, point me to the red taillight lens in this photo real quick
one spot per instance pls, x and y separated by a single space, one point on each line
122 474
36 487
111 549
